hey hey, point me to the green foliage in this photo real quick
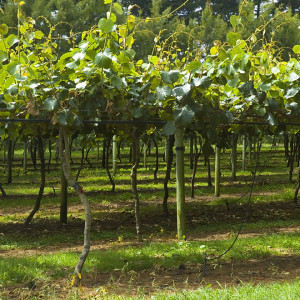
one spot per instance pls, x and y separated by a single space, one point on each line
100 76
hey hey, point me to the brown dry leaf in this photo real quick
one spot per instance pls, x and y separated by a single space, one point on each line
32 108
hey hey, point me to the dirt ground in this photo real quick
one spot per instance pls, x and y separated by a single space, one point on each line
147 282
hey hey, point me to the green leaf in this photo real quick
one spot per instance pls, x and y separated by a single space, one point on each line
293 77
3 56
184 117
72 65
163 92
38 34
170 76
13 90
203 83
246 88
83 45
137 112
153 59
294 107
12 39
51 104
81 85
78 56
194 65
261 111
270 119
118 8
181 91
265 87
103 61
106 25
13 67
296 49
291 93
65 117
107 1
3 29
233 82
235 20
168 129
232 38
273 104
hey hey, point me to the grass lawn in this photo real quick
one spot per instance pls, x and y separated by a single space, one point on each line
38 261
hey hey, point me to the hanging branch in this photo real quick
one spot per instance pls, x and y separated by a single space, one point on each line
66 166
43 177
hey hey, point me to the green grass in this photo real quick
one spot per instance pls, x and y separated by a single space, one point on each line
123 257
286 291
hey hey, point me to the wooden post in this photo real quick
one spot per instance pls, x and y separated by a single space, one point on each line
25 157
114 156
167 150
191 152
233 157
244 153
180 185
217 171
63 195
145 155
9 161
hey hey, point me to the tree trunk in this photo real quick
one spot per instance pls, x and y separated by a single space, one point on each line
103 153
43 177
192 158
145 155
292 158
87 157
233 156
2 191
244 153
297 188
170 156
65 161
119 151
217 171
135 164
81 164
180 185
111 179
33 152
9 161
195 164
64 193
25 157
286 147
209 180
156 159
50 155
114 155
